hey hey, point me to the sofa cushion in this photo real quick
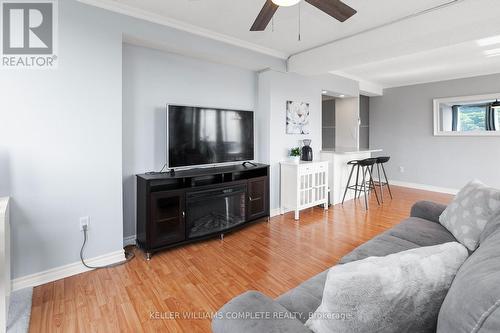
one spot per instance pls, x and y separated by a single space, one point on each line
401 292
304 299
427 210
254 312
469 212
411 233
422 232
473 301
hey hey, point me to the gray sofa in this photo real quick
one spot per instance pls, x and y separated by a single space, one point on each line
471 305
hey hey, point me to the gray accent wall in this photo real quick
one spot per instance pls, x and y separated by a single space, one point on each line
328 123
401 123
364 117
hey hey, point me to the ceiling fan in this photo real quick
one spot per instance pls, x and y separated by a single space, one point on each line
334 8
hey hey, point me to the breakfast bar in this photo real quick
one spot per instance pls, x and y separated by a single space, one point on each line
339 170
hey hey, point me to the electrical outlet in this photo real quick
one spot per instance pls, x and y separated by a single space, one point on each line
84 221
402 169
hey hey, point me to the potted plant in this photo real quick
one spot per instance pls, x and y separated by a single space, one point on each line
295 154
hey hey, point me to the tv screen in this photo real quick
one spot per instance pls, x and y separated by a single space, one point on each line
198 136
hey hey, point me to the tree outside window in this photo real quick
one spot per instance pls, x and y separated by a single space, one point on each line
472 118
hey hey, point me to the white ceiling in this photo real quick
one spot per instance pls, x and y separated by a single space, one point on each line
387 43
446 63
438 45
233 18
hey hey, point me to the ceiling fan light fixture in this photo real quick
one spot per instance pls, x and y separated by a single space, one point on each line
335 8
285 3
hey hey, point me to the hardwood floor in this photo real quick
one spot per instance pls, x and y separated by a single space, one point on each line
198 279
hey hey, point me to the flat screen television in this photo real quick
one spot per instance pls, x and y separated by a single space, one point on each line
199 136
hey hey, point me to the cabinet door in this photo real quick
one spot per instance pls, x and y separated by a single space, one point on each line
167 218
306 189
321 183
257 197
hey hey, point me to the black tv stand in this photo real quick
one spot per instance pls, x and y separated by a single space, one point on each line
251 163
190 205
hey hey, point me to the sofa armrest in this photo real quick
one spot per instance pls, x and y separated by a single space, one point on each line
427 210
254 312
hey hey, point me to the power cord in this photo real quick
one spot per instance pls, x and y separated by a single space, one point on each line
161 171
128 255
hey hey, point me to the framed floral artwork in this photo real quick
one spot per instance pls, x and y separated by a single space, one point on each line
297 118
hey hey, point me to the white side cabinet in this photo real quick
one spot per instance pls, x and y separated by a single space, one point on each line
303 185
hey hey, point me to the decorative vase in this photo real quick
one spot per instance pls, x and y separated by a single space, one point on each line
294 159
307 152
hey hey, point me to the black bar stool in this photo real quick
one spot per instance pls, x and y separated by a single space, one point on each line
380 164
366 166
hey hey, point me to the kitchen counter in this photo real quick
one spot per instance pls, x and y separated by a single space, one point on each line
339 170
290 162
346 150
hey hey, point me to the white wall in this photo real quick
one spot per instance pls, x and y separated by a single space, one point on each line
275 88
445 118
61 134
347 117
263 117
401 123
61 130
151 80
60 142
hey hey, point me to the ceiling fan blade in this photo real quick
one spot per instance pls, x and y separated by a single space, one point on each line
335 8
265 15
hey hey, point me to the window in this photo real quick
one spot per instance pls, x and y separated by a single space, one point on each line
477 115
471 118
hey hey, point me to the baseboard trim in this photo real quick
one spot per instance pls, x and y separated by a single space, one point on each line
274 212
424 187
130 240
61 272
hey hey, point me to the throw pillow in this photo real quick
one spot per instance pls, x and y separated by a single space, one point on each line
492 225
401 292
469 212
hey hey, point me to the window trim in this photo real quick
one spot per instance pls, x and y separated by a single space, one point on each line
461 99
